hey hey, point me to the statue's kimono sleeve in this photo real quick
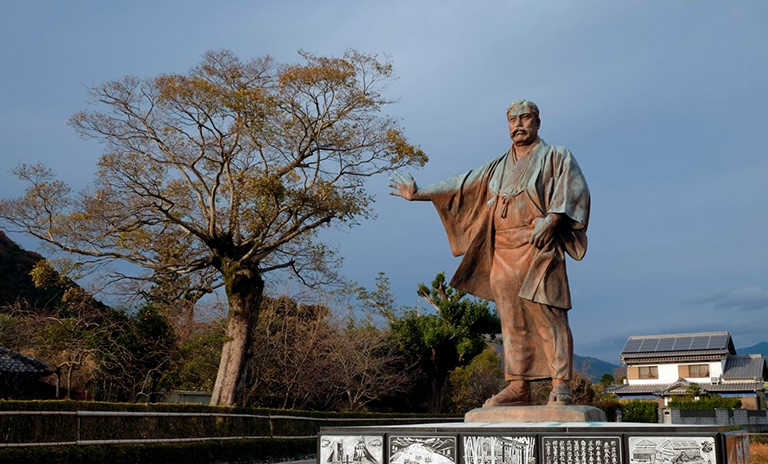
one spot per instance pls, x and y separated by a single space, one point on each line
569 195
557 186
461 202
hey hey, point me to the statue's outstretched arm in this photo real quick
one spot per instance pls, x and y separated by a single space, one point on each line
405 187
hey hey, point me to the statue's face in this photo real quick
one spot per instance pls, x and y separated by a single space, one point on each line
523 127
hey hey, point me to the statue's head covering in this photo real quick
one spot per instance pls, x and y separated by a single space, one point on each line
521 107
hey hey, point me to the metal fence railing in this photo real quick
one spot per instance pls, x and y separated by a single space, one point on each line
48 428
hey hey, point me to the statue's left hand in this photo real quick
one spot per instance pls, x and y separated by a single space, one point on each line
404 186
544 230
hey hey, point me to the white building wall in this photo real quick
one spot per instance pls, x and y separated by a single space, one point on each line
716 368
669 373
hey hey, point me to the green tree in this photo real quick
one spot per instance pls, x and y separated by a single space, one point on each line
601 388
233 166
474 383
581 387
438 343
199 355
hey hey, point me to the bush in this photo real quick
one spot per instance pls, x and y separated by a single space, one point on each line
48 428
609 408
71 405
640 411
716 402
188 453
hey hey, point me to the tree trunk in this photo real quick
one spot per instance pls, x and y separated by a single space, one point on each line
439 391
244 291
69 383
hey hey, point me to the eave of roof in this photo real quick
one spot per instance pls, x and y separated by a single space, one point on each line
638 389
673 356
734 387
16 363
681 387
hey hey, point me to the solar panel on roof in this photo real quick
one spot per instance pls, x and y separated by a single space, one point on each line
717 341
700 343
665 344
683 343
632 345
649 345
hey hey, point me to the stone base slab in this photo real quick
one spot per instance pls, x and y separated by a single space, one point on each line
570 413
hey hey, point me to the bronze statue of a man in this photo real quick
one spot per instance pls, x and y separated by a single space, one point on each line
513 219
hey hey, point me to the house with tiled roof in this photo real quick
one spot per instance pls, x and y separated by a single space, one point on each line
660 367
19 374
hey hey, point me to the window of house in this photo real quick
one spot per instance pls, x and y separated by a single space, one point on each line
698 370
648 372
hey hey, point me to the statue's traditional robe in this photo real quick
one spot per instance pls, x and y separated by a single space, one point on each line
489 214
554 183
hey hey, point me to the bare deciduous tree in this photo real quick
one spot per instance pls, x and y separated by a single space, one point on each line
367 366
233 167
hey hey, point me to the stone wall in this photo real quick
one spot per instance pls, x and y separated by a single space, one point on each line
754 421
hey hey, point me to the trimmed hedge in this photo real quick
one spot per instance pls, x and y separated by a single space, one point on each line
34 428
188 453
55 428
640 411
716 402
72 405
609 408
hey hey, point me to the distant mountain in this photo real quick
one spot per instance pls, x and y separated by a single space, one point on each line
760 348
593 367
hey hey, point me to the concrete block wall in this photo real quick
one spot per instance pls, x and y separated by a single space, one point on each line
754 421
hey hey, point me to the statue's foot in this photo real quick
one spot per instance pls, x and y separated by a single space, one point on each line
517 393
561 393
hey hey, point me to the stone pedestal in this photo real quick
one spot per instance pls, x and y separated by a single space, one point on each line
571 413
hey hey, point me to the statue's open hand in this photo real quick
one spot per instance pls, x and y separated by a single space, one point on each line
404 186
544 230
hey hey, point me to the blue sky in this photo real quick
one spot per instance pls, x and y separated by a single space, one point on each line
663 103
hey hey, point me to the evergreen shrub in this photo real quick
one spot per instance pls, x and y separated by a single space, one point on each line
715 402
640 411
188 453
609 408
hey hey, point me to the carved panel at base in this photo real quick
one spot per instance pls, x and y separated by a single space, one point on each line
351 449
581 450
672 450
499 449
416 449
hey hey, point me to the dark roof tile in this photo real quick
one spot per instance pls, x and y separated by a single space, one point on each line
12 362
746 366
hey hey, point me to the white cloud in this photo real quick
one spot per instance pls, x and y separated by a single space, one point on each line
748 298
